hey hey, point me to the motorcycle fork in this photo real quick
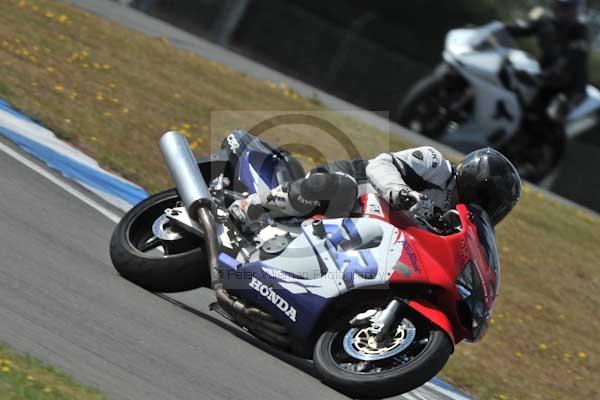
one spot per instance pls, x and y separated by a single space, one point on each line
385 320
382 321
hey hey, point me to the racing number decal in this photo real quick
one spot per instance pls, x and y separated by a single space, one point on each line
350 262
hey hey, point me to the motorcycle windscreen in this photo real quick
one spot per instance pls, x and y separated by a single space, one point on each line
478 283
487 241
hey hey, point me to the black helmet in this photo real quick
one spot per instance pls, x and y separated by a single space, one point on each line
486 178
566 10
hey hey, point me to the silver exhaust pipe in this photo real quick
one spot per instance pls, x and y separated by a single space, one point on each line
183 167
193 190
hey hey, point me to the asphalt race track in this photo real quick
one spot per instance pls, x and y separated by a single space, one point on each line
61 301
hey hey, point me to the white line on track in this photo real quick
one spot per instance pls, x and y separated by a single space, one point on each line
62 184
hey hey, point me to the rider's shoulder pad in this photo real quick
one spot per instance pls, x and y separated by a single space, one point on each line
421 157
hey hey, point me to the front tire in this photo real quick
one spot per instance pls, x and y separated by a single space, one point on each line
180 264
402 371
435 102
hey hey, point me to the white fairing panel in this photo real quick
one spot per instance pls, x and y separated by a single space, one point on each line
459 41
466 40
354 253
524 62
497 112
585 115
485 65
590 104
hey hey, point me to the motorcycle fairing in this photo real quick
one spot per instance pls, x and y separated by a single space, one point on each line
273 289
434 314
343 261
497 110
259 166
444 258
311 272
256 171
423 256
585 114
467 40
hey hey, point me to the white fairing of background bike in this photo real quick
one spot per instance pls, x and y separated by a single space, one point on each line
521 61
585 115
482 70
379 243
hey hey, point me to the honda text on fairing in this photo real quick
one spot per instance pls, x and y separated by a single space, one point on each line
483 95
377 299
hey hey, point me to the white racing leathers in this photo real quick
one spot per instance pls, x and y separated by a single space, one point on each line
421 169
332 189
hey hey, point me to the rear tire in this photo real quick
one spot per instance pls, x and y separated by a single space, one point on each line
179 270
537 151
427 361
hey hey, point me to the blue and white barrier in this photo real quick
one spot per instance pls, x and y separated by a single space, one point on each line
70 162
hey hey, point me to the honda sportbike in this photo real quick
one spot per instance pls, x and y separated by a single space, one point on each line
378 299
485 93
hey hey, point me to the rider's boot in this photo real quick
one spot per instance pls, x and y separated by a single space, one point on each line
247 211
277 202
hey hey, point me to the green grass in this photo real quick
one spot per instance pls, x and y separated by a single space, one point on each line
4 90
113 92
25 378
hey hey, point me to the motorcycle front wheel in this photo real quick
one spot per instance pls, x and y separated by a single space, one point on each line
435 103
349 360
175 262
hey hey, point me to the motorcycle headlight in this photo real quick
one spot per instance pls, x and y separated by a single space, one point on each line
470 289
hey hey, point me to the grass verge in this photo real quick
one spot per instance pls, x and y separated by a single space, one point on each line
113 92
25 378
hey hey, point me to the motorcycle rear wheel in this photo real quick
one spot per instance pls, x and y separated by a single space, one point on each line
405 369
180 264
537 150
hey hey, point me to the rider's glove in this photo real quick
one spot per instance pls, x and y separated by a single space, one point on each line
401 199
423 207
413 201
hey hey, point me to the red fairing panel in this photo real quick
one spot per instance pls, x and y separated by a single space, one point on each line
436 261
435 315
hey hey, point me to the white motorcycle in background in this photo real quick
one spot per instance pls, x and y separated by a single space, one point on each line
481 95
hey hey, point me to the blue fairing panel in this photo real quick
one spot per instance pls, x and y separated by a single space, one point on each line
257 170
258 164
299 312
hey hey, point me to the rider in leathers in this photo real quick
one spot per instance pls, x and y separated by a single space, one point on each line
420 180
564 43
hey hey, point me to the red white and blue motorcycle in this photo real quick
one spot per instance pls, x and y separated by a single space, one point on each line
377 299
